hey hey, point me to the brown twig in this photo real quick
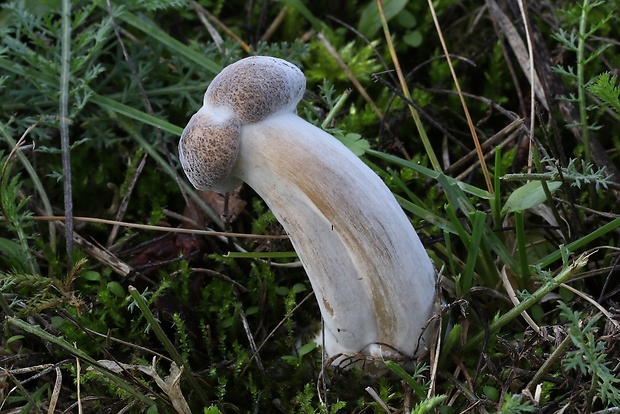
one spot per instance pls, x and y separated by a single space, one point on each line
160 228
274 24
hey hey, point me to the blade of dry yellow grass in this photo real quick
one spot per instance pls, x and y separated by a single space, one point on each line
403 84
472 129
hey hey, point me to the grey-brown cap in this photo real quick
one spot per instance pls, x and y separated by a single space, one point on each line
208 151
257 87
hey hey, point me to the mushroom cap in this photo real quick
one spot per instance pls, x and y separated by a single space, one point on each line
208 151
245 92
257 87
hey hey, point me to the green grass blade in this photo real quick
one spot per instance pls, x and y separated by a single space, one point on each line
430 152
163 338
468 188
478 219
133 113
577 244
171 43
431 218
521 248
451 340
46 336
460 230
397 369
449 253
498 246
456 197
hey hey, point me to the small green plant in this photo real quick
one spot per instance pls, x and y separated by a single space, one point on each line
589 357
580 14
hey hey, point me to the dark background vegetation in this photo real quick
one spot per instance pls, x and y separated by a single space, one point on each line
130 90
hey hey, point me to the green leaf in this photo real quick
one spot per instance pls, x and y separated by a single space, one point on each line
406 19
370 22
307 348
14 338
152 410
282 290
413 39
528 196
116 289
491 393
91 276
299 287
252 310
290 359
355 143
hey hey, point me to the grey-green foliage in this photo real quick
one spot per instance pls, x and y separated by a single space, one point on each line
30 62
31 42
589 355
570 39
588 174
577 173
581 15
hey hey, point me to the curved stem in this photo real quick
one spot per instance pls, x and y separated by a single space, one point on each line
373 280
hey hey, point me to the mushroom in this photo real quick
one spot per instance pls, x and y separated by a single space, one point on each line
373 280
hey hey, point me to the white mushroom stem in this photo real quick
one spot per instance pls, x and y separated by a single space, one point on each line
373 280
